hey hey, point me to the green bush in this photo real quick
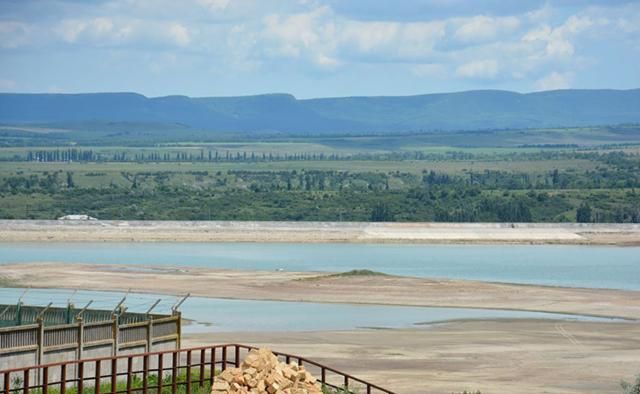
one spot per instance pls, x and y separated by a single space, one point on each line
631 388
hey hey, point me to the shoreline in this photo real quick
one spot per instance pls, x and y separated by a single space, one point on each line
311 287
488 354
613 318
319 232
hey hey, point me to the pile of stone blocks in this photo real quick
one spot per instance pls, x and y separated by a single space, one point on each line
261 372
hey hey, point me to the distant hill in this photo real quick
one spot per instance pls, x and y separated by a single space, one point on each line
472 110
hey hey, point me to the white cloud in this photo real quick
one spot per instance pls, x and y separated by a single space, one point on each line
481 28
429 71
554 80
540 47
627 26
55 89
215 5
100 30
13 34
8 84
558 40
179 34
479 69
70 30
325 61
325 39
295 33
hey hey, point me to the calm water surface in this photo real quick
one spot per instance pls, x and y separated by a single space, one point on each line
580 266
218 315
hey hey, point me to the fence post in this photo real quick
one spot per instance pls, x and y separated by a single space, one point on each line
68 313
80 336
116 333
179 314
40 357
19 314
149 334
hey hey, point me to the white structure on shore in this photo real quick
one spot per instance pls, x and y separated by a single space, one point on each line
76 217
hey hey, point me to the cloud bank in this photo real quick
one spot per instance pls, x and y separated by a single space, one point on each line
314 47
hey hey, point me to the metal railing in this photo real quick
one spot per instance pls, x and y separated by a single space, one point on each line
183 370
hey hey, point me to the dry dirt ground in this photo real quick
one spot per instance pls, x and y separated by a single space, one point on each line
502 356
218 231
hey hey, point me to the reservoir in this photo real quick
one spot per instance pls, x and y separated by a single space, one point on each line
573 266
220 315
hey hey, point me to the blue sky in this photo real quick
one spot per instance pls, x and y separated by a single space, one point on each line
317 48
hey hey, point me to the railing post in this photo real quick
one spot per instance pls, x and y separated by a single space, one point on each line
188 374
202 362
160 372
129 374
80 370
63 378
213 365
97 377
25 383
145 374
174 372
237 356
114 375
7 382
224 357
45 380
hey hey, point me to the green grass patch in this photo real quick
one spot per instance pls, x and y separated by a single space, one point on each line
348 274
7 282
136 385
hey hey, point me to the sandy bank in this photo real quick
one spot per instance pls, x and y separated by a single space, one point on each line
296 286
170 231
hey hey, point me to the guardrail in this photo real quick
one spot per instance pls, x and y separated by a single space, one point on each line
190 370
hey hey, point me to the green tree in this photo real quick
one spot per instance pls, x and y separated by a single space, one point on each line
70 183
583 214
381 213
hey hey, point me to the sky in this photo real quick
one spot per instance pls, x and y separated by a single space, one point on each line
317 48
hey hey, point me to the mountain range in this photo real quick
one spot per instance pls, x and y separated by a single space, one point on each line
471 110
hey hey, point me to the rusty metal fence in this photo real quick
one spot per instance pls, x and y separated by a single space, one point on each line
173 371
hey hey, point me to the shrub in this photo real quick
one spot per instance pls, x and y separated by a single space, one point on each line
631 388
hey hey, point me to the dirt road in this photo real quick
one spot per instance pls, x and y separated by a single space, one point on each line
455 233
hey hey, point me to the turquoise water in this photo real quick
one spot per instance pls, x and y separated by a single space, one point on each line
577 266
219 315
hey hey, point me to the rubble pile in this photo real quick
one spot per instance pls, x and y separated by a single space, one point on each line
261 372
